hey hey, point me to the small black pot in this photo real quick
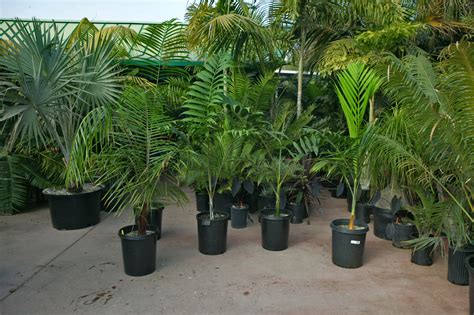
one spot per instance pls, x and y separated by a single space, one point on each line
239 216
382 218
333 192
348 245
266 202
423 256
297 212
155 219
202 201
275 230
469 262
212 234
223 202
457 271
252 201
74 211
363 211
329 183
400 233
139 252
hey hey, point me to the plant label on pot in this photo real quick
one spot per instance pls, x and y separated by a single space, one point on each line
355 242
206 222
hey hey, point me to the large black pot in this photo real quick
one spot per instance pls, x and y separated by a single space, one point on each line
382 218
457 271
74 211
239 215
400 233
297 212
139 252
275 229
202 201
223 202
423 256
212 234
469 262
348 245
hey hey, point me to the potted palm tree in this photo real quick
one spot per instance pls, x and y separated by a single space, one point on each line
355 87
275 222
134 146
210 161
48 87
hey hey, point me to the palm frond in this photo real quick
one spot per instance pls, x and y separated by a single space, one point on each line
355 87
205 97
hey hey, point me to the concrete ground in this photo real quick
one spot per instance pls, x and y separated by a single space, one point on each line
44 271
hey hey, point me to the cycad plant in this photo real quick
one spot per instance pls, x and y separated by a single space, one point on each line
355 87
49 86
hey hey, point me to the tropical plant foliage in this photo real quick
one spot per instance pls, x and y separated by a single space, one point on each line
132 146
47 87
234 27
425 143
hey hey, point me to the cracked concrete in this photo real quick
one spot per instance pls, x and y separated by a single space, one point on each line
44 271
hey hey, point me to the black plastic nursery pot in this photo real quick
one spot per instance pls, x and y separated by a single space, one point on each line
362 212
422 256
223 202
74 211
155 219
212 234
275 229
138 251
265 202
332 184
348 245
457 271
252 201
202 201
382 218
238 219
333 192
469 262
297 212
400 233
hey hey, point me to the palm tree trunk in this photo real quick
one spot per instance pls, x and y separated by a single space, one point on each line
299 99
142 221
372 110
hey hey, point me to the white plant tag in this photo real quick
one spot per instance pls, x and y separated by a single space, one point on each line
355 242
